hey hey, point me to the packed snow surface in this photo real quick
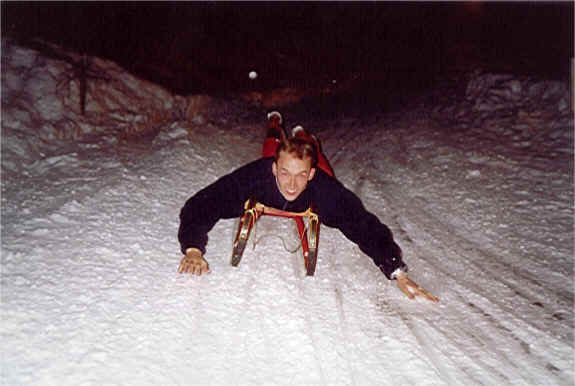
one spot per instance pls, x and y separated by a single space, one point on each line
477 188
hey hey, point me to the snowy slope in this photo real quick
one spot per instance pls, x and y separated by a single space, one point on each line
478 191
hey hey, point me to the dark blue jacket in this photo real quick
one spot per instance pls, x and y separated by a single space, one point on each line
335 205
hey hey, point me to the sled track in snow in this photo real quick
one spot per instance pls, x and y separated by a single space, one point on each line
308 309
311 292
495 323
342 323
508 331
472 259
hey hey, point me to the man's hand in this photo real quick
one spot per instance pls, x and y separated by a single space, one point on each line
193 262
404 283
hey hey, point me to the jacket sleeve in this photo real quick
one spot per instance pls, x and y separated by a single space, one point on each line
222 199
344 210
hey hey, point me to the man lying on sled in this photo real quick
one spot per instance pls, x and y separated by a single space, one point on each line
292 175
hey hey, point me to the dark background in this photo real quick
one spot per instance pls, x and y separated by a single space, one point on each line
193 47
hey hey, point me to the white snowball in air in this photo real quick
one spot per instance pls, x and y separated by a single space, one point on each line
253 75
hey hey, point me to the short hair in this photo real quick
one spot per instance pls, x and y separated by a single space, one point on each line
300 147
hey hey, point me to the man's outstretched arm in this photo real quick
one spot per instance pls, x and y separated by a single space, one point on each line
345 211
222 199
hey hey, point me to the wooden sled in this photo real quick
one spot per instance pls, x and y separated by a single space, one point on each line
309 236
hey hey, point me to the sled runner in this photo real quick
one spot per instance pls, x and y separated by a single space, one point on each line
309 236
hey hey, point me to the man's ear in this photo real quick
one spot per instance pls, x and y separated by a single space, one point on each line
311 174
275 169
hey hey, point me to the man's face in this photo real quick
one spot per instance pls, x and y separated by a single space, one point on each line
292 174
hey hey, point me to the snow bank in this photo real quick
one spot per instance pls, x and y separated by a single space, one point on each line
53 97
516 111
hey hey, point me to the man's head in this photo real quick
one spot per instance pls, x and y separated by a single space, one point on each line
294 166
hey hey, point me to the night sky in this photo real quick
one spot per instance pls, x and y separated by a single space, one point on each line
193 47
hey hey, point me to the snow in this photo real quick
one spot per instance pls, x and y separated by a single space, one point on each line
476 183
